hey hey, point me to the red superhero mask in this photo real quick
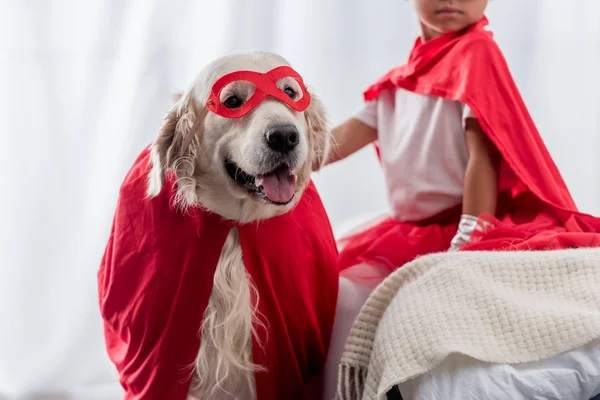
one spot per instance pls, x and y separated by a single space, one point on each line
265 85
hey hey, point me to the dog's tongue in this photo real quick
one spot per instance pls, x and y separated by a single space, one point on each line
280 186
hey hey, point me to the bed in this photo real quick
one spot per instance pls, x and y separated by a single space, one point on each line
476 325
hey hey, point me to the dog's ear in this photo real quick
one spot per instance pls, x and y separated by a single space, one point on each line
173 137
318 132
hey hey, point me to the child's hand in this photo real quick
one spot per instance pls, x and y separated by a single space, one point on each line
350 137
466 227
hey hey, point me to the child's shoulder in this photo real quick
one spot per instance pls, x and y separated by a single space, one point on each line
480 48
482 43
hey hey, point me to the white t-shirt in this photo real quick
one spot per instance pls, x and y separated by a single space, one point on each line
423 150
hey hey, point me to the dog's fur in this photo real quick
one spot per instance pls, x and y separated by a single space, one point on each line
193 144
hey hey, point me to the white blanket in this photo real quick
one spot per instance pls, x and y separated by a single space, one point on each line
496 307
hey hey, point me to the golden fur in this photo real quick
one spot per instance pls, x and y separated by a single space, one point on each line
193 144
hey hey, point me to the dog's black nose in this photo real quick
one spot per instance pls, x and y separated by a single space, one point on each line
282 138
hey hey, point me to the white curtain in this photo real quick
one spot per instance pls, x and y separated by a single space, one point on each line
84 84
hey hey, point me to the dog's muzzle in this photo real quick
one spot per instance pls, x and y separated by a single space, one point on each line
277 186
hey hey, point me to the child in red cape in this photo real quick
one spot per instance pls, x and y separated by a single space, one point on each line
465 166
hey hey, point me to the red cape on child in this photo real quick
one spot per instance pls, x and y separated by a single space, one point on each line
536 213
157 275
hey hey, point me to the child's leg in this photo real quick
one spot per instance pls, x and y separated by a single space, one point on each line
366 275
351 297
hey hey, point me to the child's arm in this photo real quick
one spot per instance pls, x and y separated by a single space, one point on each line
481 181
348 138
481 176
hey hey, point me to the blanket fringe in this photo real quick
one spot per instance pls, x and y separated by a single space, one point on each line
351 382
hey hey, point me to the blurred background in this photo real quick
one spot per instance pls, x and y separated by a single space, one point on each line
84 85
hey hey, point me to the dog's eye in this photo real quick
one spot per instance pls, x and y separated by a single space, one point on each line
290 92
233 102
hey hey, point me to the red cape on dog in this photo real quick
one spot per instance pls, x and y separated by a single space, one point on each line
157 275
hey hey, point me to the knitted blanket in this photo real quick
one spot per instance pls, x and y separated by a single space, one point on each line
497 307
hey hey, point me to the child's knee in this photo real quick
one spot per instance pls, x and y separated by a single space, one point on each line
351 297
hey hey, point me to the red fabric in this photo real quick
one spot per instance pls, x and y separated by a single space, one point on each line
265 85
156 277
537 212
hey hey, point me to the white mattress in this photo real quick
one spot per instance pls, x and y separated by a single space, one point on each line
573 375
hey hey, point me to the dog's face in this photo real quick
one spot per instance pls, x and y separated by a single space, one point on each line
246 168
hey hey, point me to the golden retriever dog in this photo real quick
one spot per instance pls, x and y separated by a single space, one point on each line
219 164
